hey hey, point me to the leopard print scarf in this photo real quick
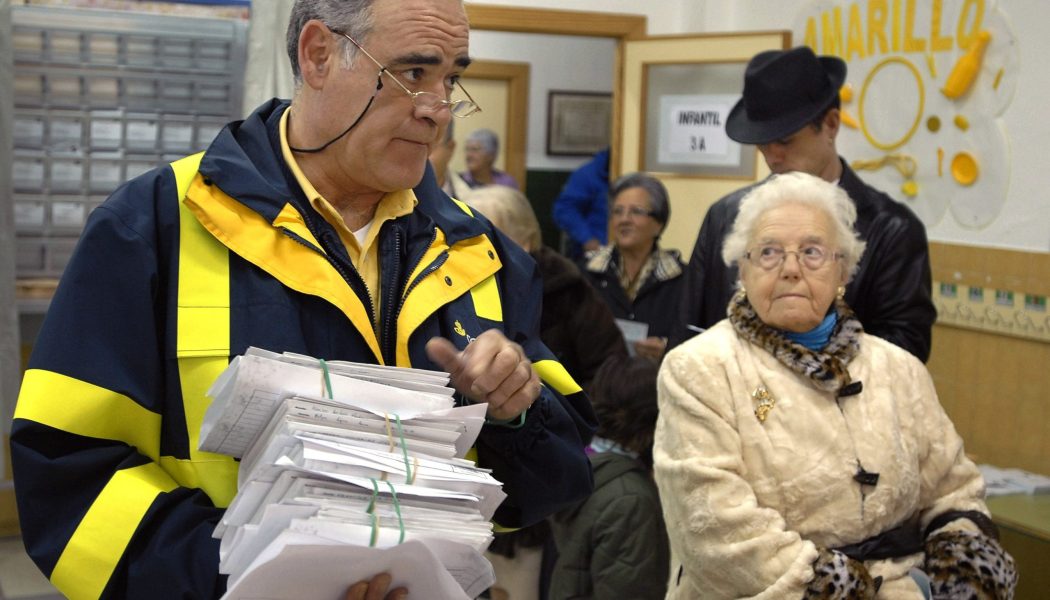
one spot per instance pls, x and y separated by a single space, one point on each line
826 368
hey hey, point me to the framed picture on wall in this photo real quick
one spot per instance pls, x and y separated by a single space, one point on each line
578 123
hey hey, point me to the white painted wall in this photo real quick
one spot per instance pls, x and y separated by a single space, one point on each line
561 62
557 62
664 16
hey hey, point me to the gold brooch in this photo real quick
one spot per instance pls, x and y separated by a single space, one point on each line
765 402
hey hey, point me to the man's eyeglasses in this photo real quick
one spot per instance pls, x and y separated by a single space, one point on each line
770 257
633 211
424 100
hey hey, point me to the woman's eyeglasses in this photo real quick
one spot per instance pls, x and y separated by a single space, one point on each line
633 211
771 256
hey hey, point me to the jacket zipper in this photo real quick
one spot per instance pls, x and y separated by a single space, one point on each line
328 255
440 260
389 275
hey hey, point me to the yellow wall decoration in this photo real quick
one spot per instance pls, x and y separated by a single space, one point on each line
895 51
887 146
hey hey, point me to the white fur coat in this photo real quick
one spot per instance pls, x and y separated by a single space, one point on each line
747 503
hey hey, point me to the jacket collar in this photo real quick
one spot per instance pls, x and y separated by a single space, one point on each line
245 162
825 369
666 262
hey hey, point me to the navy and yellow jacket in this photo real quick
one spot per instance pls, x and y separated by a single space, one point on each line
188 265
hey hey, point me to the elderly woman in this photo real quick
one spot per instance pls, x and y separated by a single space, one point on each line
637 279
798 457
480 151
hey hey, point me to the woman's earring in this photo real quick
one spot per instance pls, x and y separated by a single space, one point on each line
841 292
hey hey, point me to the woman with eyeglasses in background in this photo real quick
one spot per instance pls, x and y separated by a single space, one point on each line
637 279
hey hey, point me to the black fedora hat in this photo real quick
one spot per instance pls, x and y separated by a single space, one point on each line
783 91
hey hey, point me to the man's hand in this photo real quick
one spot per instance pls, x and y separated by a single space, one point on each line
375 589
491 369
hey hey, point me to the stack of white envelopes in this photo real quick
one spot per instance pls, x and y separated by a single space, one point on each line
348 470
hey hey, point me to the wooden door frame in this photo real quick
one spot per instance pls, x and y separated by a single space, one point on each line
516 76
620 27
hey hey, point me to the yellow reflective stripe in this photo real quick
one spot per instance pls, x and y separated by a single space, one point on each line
246 233
85 409
469 263
88 560
217 478
463 206
554 374
204 286
487 303
203 341
216 474
185 170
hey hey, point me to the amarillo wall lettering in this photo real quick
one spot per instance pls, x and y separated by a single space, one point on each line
886 26
914 65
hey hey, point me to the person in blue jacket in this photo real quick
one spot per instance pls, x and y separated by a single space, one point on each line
581 210
313 227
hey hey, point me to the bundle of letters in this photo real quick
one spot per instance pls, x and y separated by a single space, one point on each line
348 470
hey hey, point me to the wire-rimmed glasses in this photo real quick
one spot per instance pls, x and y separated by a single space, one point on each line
424 100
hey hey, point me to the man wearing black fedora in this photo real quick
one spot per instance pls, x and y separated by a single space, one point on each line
790 110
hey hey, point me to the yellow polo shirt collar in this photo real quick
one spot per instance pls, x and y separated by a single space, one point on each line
365 257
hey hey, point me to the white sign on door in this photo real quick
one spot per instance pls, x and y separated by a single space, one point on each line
692 130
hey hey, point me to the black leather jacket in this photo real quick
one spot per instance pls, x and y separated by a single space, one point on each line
890 292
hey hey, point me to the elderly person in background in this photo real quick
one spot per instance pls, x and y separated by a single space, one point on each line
574 322
440 157
797 456
579 328
481 149
637 279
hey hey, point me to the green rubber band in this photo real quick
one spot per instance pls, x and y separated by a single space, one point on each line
375 493
327 379
513 423
397 509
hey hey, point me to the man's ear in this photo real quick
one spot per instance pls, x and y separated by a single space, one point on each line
318 53
832 121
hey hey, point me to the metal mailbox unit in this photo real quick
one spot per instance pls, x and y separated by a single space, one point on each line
101 96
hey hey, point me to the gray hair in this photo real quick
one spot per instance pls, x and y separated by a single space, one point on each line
488 140
799 188
658 199
352 17
510 211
